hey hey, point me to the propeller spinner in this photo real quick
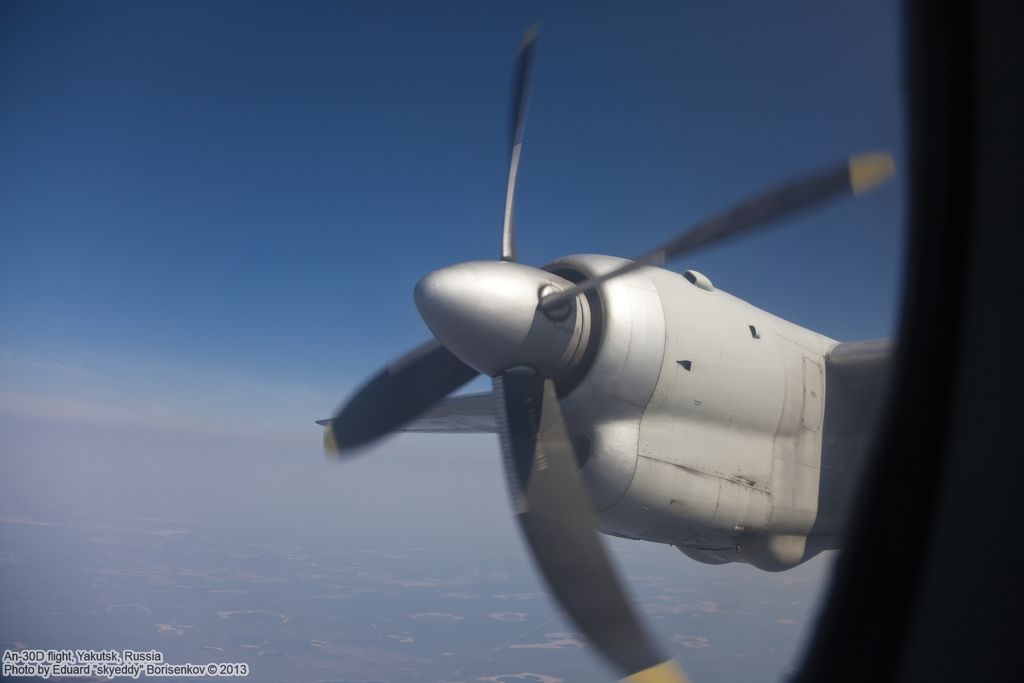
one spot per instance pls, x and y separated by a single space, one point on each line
485 312
524 327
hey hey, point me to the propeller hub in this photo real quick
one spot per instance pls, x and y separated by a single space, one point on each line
486 313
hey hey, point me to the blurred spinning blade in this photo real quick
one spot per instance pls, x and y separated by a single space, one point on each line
520 93
558 522
857 175
397 394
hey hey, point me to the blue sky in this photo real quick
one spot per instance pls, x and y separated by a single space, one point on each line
213 215
255 189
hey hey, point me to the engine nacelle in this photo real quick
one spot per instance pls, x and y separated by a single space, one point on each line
699 416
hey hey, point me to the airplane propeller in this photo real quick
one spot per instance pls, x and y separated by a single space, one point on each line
857 175
557 519
520 92
408 387
520 325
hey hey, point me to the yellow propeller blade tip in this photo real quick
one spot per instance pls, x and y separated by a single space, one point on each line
869 170
331 449
666 672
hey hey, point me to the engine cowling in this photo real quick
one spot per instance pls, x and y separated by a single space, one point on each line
701 416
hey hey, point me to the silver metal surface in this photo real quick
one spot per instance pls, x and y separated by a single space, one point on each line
485 312
736 452
605 409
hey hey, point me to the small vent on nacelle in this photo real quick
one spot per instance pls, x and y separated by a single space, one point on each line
699 280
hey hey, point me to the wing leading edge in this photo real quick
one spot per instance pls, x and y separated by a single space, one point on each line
862 367
466 414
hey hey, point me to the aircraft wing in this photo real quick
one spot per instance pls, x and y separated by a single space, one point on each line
862 368
466 414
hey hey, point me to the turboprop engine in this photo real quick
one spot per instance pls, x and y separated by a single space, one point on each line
625 401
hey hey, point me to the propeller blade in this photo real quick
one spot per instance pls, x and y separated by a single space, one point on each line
860 174
557 520
520 92
398 393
